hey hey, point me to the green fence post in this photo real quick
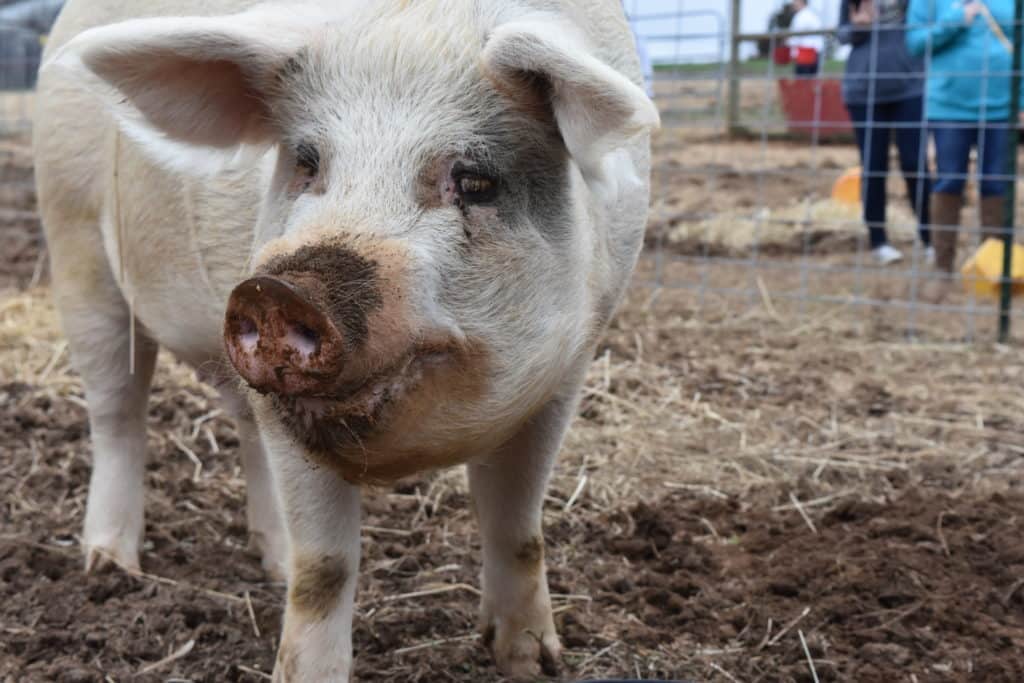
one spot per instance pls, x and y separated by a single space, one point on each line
733 112
1009 214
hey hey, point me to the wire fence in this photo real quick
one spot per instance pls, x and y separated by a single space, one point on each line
20 51
765 180
23 27
761 175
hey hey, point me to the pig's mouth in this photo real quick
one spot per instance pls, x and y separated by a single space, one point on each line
343 419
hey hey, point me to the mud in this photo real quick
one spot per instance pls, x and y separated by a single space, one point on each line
924 582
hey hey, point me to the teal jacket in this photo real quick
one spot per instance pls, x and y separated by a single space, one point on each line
969 67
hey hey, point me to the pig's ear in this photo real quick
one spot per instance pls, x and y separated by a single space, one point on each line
197 82
597 109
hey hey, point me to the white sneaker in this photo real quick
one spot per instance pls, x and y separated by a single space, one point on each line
929 256
887 254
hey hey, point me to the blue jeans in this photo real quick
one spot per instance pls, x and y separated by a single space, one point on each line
953 143
874 135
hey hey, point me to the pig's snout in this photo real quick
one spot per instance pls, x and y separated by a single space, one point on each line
280 341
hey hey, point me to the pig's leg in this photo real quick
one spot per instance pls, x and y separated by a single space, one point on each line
117 400
322 515
263 513
508 493
262 510
97 322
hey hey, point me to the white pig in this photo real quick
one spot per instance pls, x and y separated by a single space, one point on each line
389 232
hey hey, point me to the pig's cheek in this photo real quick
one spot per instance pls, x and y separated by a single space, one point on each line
482 222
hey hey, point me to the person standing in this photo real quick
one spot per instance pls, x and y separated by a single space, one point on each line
807 50
883 89
968 106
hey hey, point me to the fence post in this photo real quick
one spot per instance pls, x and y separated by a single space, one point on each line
734 68
1009 213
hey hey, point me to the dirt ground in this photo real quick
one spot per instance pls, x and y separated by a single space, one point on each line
750 492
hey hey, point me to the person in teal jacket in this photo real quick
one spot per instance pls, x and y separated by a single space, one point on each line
968 60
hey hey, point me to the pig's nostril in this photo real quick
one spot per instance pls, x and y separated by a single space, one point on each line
309 334
247 332
246 326
304 339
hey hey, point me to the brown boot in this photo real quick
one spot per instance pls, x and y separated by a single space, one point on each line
945 217
992 217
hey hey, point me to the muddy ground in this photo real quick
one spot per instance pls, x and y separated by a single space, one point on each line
748 494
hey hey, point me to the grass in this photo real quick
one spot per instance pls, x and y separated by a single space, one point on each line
748 68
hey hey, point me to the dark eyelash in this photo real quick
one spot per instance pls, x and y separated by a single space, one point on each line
462 172
308 157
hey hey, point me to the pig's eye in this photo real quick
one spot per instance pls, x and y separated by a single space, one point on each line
475 188
307 160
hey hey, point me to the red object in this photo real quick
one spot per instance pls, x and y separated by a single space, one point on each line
814 106
806 56
781 56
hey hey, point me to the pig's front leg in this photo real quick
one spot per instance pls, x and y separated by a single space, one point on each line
266 528
263 513
508 494
322 514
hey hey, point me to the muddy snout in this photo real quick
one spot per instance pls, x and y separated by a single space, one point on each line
279 340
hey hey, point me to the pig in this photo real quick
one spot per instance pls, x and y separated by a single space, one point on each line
389 233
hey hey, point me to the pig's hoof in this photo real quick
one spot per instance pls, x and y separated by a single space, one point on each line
112 534
314 666
100 556
522 653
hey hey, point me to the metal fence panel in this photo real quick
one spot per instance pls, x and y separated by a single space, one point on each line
748 181
23 25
